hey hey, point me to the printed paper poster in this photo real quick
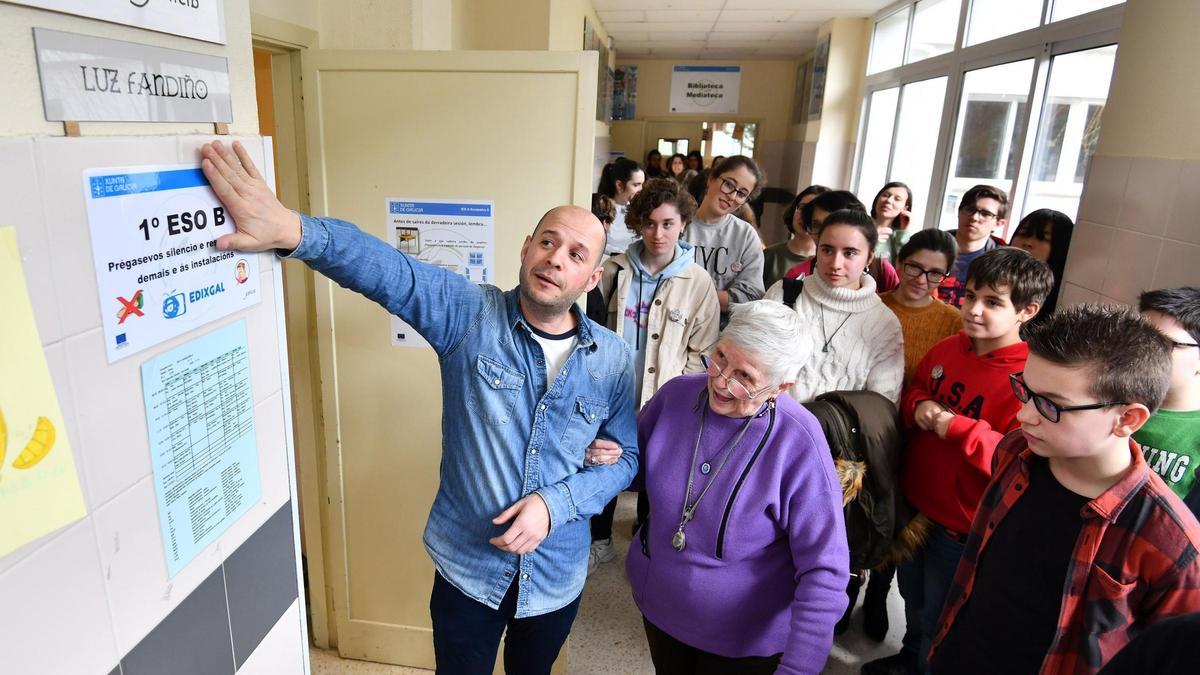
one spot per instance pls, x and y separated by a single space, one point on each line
200 417
154 243
39 485
456 235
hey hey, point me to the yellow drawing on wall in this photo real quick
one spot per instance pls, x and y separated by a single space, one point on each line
39 486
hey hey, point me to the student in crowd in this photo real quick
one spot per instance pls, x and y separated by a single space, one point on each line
742 566
981 211
727 246
695 161
851 341
1077 545
1170 440
1046 234
661 303
800 246
620 180
654 167
891 211
956 407
716 160
676 166
814 214
507 530
925 260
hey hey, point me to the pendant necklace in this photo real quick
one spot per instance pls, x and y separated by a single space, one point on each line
825 347
679 539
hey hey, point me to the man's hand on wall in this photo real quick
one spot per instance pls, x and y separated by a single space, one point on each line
263 223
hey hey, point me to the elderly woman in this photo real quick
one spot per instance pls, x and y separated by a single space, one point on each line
742 566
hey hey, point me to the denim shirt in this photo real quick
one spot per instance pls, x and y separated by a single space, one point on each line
505 433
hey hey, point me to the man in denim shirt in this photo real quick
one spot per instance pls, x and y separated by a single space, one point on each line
528 382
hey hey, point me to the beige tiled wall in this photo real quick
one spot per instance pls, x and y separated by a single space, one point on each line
1138 229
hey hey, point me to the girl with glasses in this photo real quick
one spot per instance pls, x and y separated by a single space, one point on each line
727 246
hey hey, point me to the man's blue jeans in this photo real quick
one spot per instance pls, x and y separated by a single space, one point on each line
466 633
924 582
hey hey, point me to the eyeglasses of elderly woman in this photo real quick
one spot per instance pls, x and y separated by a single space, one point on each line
735 387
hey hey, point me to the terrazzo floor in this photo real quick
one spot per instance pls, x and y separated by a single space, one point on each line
607 637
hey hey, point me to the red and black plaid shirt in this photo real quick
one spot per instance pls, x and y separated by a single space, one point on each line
1135 561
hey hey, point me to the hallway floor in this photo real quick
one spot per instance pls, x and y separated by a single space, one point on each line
607 637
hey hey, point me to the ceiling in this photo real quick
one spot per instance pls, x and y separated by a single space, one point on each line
722 29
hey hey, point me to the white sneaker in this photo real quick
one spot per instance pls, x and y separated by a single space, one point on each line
601 552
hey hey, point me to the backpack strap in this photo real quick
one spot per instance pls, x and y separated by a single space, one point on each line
791 291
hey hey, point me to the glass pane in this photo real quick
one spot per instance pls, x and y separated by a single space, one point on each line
732 138
987 142
991 19
887 43
935 28
877 143
916 141
1065 9
1070 128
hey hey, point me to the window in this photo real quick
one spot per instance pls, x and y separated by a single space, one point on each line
959 108
1065 9
877 142
671 146
987 142
934 30
729 138
1069 128
916 140
887 42
991 19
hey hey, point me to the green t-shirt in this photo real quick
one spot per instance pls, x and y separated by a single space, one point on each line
1170 441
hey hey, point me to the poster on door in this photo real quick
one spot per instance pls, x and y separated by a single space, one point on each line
154 244
705 89
458 236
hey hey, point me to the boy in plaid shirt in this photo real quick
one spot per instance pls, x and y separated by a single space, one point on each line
1077 545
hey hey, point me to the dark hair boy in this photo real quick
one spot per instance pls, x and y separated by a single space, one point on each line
1077 546
982 210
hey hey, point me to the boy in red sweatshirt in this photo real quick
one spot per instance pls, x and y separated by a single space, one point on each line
1077 545
956 408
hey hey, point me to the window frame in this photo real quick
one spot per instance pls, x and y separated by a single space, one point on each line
1094 29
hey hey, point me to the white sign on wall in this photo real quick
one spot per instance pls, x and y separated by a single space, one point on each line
200 19
91 79
459 236
705 89
154 233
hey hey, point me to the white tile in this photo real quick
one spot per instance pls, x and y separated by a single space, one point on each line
1074 295
737 37
61 163
1149 194
622 16
610 5
1177 266
112 436
1184 222
765 28
55 617
272 454
689 39
633 36
283 650
1087 262
134 565
56 360
673 15
1104 190
761 15
1133 271
21 197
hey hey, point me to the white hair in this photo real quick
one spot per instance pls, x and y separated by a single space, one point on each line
771 331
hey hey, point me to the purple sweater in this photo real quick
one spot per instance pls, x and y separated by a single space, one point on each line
766 562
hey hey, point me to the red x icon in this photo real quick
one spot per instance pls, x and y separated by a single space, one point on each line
129 307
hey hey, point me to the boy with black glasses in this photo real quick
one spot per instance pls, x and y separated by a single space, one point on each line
981 211
1170 440
1077 545
956 407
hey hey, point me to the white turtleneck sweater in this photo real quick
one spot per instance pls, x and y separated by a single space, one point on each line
865 352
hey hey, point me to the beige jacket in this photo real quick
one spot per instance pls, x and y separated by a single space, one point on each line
683 322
